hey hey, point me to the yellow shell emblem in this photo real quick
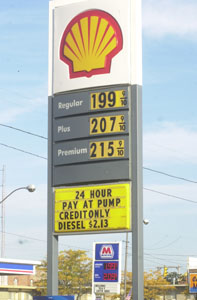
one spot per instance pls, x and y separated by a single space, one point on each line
89 43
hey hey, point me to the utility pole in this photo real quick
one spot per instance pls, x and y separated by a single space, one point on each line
3 214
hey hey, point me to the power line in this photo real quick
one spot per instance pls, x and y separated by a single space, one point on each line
149 169
168 195
170 175
165 246
24 131
145 168
18 149
44 241
39 156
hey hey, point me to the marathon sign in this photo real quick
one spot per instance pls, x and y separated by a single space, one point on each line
107 251
107 267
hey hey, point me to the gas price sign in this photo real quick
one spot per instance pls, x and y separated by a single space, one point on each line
106 271
92 208
107 266
91 140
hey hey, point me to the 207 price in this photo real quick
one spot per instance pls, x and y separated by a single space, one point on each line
110 276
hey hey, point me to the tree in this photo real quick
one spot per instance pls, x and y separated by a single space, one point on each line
155 284
41 281
75 274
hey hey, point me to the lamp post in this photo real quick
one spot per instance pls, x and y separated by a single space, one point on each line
145 222
30 188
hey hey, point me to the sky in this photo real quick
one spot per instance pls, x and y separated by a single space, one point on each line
169 132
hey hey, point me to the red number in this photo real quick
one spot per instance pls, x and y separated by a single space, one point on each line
110 276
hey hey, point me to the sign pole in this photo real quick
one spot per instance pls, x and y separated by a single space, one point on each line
52 240
137 195
89 141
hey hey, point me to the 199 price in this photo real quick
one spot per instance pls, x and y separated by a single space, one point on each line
110 99
110 276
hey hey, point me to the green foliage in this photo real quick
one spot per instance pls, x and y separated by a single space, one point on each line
41 279
75 274
155 284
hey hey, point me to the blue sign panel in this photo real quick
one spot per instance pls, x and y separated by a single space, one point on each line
53 297
108 251
106 271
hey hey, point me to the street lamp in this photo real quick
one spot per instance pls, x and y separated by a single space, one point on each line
30 188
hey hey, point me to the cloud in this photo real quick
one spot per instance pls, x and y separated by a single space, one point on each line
20 104
168 17
170 143
9 115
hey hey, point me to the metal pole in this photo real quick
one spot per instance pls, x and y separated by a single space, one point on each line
3 215
52 240
125 267
137 196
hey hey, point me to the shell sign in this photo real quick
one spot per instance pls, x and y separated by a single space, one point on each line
89 43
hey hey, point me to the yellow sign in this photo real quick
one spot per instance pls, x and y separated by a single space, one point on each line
193 282
111 99
107 149
107 124
93 208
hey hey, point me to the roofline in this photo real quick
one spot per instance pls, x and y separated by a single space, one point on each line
20 261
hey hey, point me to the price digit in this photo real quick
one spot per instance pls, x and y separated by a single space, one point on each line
94 122
94 100
93 150
111 148
102 100
113 120
103 125
111 99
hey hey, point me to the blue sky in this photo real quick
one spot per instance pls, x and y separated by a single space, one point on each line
169 129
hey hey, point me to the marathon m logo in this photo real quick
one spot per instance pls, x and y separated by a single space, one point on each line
107 252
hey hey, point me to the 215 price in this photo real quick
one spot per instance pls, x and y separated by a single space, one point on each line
107 149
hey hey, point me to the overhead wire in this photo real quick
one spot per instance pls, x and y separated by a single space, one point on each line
169 195
169 175
145 168
21 150
151 190
24 131
44 241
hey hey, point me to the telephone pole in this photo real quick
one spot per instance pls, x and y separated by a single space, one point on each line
3 214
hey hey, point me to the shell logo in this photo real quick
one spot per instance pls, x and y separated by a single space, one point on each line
89 43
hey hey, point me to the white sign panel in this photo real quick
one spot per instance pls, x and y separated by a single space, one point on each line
93 43
106 268
107 288
192 263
